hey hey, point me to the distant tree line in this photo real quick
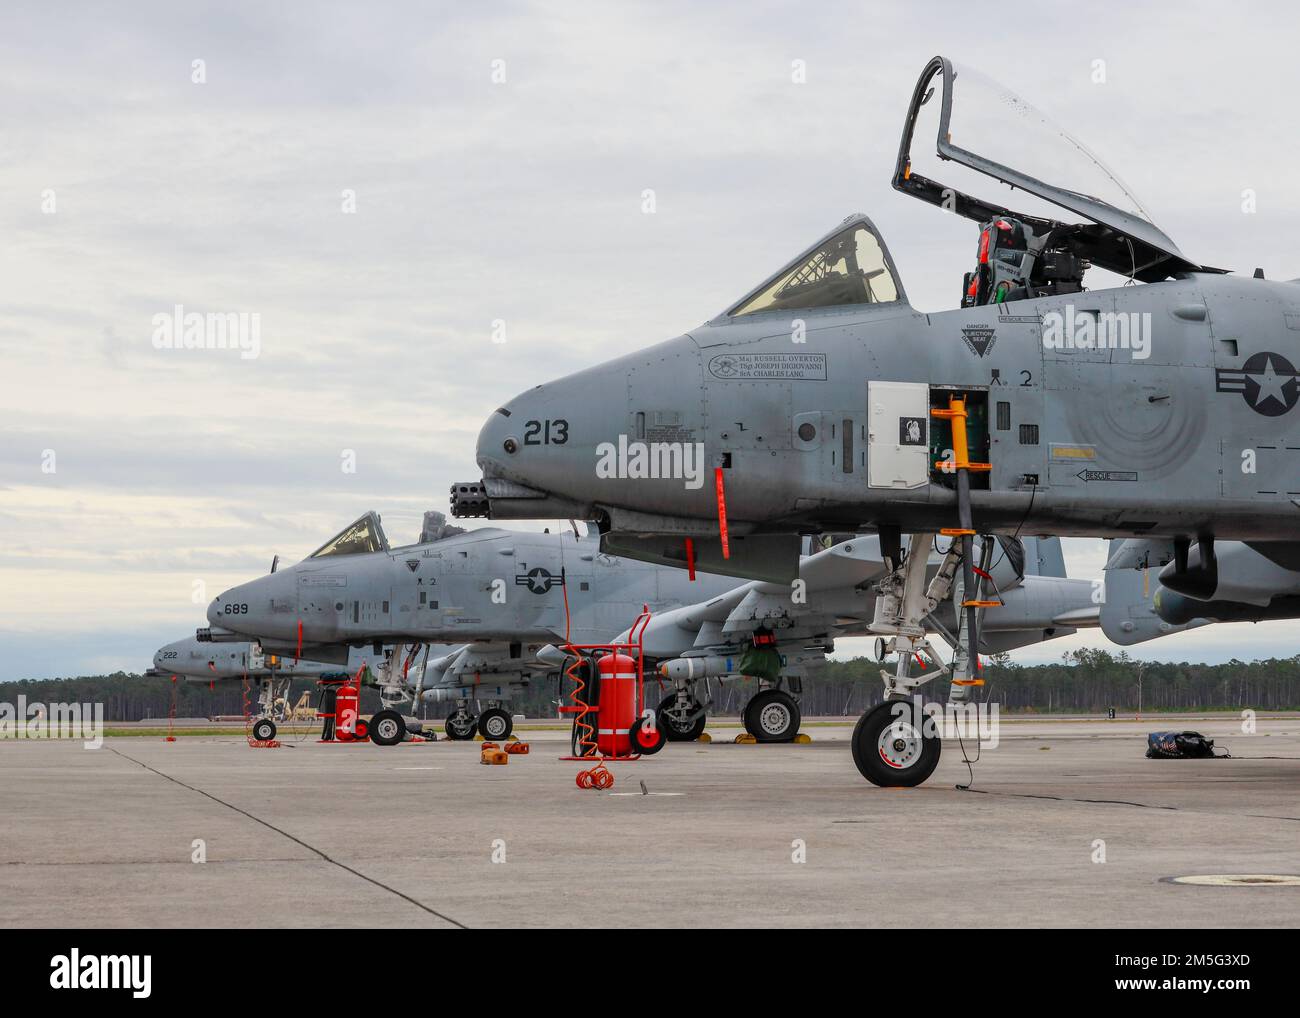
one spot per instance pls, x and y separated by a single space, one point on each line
1083 681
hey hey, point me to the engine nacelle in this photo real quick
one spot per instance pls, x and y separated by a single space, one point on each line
1193 572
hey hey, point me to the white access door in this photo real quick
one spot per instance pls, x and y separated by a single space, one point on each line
898 434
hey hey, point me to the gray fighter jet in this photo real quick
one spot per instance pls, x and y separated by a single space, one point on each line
200 660
500 596
822 401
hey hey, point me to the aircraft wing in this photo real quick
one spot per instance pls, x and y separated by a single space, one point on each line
478 665
833 583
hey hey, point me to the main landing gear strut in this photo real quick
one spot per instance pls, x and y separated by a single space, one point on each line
896 743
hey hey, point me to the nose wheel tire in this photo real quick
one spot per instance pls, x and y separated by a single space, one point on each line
891 746
495 725
675 727
387 728
263 729
461 726
772 716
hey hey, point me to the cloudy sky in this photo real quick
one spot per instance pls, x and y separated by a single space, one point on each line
130 187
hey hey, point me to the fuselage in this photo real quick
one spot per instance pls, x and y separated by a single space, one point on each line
200 661
1189 430
483 585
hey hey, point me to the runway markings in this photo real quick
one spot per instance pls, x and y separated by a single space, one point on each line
296 840
640 794
1238 880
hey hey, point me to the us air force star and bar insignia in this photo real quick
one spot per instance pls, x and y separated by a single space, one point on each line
1267 381
537 580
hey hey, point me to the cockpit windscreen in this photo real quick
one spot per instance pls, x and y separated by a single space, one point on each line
848 268
360 538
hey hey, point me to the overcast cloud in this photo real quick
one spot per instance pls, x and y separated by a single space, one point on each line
479 201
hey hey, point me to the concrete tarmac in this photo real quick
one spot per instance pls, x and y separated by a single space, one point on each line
424 835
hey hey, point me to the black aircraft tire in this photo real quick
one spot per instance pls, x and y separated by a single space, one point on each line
899 759
670 727
387 728
462 732
263 729
495 725
772 716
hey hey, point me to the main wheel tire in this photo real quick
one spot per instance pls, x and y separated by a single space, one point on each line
772 716
263 729
461 726
495 725
891 747
672 726
645 738
387 728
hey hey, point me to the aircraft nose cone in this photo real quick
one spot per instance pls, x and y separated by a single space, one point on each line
214 610
265 607
560 441
535 426
531 452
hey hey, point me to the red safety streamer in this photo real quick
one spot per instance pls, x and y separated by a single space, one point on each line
722 512
171 714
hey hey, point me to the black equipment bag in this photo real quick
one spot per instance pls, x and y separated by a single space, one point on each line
1179 746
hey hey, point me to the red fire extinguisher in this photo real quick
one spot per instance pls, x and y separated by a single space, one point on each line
617 703
346 709
620 730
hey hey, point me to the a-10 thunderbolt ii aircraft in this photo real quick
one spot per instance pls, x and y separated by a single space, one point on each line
499 596
439 675
822 401
480 678
201 660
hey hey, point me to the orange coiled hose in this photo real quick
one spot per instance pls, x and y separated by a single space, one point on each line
586 730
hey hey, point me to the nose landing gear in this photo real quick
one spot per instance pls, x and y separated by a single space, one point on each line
387 728
891 747
895 743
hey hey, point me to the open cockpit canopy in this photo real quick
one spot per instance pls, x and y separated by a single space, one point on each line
849 266
359 538
1059 195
